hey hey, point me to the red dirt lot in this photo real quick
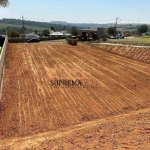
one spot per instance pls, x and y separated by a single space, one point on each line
110 110
140 53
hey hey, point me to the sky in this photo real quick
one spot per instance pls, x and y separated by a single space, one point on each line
79 11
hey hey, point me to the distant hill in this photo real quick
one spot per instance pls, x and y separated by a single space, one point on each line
59 22
29 23
31 26
79 25
89 25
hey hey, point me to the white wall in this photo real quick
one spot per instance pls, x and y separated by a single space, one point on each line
2 63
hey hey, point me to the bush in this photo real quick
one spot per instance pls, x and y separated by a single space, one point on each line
104 39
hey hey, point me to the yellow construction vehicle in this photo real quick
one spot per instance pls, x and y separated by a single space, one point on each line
72 40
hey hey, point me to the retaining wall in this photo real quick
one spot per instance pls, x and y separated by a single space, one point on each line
3 44
139 53
41 39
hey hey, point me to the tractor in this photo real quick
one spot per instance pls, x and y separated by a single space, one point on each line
72 40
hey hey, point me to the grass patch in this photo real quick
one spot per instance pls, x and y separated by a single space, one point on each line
0 49
3 26
60 40
132 40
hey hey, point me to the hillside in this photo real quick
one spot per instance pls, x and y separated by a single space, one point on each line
18 27
58 25
30 25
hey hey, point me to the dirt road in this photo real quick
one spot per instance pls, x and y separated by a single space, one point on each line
111 85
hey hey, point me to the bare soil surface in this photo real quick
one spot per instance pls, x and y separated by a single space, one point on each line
123 132
130 43
134 52
110 110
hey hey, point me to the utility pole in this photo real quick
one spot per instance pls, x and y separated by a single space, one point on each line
23 29
116 25
5 28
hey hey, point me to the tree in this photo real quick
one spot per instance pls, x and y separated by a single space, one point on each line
74 30
64 28
128 33
13 34
45 32
35 31
52 28
143 28
40 34
111 31
4 3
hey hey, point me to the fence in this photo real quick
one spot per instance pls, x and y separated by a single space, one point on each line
41 39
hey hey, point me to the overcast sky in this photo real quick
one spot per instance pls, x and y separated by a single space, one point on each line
80 11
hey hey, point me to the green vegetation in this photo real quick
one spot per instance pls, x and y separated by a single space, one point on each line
143 29
31 26
0 49
10 27
60 40
45 32
74 30
52 28
4 3
145 36
13 34
111 31
128 33
145 39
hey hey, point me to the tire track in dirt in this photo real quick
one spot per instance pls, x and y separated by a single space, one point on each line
44 108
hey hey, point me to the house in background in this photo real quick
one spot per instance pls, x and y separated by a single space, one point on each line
65 32
25 37
56 34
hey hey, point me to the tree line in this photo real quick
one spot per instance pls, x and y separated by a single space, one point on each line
58 27
140 30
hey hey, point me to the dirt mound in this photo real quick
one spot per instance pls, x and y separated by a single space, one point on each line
135 52
128 131
124 42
